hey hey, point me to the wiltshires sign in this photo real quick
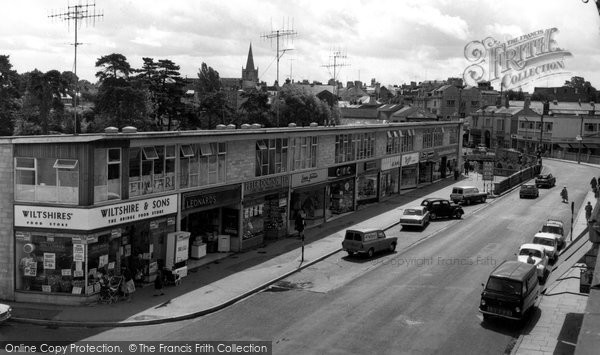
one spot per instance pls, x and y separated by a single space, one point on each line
517 62
94 218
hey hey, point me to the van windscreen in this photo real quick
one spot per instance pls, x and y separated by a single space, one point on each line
511 287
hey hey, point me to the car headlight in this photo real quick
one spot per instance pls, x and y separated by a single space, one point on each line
483 302
517 309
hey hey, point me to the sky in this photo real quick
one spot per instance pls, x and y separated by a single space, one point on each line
392 41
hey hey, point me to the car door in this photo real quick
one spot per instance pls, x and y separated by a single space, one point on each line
381 241
445 208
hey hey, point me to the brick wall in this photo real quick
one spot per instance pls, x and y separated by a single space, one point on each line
7 262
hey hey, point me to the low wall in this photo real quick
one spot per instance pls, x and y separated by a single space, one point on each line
516 179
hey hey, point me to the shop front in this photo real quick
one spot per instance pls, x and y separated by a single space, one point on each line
409 172
265 209
61 253
367 182
448 161
308 194
341 190
210 215
429 167
389 181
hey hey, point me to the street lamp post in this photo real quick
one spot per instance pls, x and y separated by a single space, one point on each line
580 139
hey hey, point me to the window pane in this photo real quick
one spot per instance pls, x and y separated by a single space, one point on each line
114 155
134 162
150 153
26 163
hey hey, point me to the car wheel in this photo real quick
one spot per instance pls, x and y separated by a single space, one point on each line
483 199
392 247
371 252
432 216
350 253
486 316
458 215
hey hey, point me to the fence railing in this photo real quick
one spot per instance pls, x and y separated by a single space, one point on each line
585 158
516 178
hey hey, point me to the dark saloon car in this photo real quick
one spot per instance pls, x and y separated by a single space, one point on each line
442 208
545 180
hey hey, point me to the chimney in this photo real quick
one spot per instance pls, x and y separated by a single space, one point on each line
506 102
526 103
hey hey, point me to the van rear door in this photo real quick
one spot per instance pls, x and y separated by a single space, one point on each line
352 241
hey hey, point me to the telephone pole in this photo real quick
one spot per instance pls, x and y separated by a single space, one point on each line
333 63
283 34
77 13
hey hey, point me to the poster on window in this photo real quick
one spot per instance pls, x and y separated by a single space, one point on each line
103 260
49 261
78 252
30 268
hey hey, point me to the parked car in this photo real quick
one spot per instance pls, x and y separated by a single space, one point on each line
367 241
511 290
467 195
556 227
416 216
529 190
5 312
549 242
442 208
545 180
538 258
481 148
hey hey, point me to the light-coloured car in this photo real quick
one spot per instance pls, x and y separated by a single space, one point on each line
538 258
550 243
415 216
367 241
5 312
556 227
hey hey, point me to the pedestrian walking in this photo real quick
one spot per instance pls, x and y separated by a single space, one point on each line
159 282
456 174
564 195
594 183
466 167
128 285
588 211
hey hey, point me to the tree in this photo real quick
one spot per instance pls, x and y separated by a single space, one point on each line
256 107
298 106
165 87
213 104
113 66
44 91
583 87
120 104
9 96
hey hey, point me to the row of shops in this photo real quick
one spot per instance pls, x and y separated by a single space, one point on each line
61 252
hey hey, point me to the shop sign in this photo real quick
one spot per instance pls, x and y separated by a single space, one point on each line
205 199
426 156
94 218
391 163
22 236
447 151
170 221
308 178
78 252
410 159
342 171
115 233
282 202
271 183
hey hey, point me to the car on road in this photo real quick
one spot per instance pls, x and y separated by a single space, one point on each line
539 259
467 195
442 208
550 242
367 241
5 312
545 180
556 227
511 290
416 216
529 190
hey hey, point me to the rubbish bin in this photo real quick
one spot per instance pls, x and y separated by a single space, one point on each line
224 243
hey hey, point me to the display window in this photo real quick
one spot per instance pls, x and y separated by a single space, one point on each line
409 177
313 204
341 196
425 172
367 187
253 218
275 212
389 184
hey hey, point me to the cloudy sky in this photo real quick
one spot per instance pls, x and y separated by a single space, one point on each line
391 40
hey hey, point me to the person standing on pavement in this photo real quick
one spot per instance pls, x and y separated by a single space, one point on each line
594 183
128 286
565 195
300 224
159 282
588 211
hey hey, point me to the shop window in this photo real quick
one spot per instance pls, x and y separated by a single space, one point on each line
107 174
427 137
407 141
47 180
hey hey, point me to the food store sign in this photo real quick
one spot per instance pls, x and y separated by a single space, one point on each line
94 218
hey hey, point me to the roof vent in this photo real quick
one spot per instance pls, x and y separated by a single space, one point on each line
231 126
111 130
246 126
221 126
292 125
256 125
129 129
314 124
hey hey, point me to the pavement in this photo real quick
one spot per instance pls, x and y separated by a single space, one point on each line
229 278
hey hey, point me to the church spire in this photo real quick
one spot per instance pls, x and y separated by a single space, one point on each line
250 61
